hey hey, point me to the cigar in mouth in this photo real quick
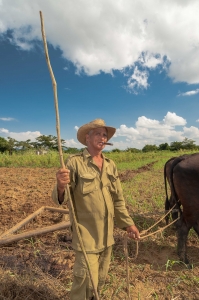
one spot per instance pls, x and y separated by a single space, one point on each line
108 144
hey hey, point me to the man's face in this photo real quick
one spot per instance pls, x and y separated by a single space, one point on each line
96 138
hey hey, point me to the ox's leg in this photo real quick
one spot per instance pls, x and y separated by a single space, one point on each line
167 208
196 228
182 232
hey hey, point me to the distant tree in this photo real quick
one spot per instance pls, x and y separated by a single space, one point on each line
71 150
149 148
12 144
133 150
3 144
56 143
35 145
175 146
24 145
188 144
116 150
164 146
48 142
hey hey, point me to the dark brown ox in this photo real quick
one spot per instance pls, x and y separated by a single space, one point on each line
182 174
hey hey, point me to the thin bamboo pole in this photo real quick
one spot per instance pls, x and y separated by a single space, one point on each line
61 155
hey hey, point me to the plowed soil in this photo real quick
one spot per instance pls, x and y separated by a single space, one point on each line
40 267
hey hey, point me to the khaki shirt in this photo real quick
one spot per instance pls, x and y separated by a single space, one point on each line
98 199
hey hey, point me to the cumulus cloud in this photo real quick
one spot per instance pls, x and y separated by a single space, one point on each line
138 80
189 93
20 136
131 132
147 123
106 35
173 120
72 143
3 130
151 60
191 132
147 131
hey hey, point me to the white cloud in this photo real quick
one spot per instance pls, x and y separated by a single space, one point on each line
189 93
148 131
3 130
151 60
145 122
128 132
20 136
191 132
71 143
138 80
173 120
7 119
107 35
23 136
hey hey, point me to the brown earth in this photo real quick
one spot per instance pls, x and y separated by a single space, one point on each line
41 267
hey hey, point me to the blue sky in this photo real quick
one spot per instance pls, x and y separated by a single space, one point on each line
134 64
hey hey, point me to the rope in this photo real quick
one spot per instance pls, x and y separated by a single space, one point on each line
142 236
144 231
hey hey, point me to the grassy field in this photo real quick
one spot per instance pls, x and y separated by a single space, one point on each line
155 274
123 160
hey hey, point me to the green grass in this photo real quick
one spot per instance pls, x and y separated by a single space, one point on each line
30 159
123 160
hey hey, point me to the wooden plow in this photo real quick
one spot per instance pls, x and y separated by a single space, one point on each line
9 237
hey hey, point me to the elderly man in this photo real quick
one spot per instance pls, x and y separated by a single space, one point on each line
98 199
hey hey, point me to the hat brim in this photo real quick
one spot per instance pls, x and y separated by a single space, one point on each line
84 130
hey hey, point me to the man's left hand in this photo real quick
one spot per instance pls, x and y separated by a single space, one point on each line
133 232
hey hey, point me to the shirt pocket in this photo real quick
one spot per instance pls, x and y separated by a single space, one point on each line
112 181
87 183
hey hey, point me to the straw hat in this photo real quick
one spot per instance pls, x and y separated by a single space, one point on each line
98 123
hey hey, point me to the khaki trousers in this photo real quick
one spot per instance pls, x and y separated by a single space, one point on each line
82 288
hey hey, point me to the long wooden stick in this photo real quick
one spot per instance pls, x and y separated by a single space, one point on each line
61 155
30 217
14 238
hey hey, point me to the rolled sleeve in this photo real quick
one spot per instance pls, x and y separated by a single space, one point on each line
55 197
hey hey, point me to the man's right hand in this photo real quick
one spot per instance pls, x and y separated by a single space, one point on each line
63 178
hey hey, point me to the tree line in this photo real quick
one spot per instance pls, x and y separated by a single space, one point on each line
186 144
49 142
43 142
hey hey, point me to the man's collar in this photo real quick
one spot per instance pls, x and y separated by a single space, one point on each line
86 155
